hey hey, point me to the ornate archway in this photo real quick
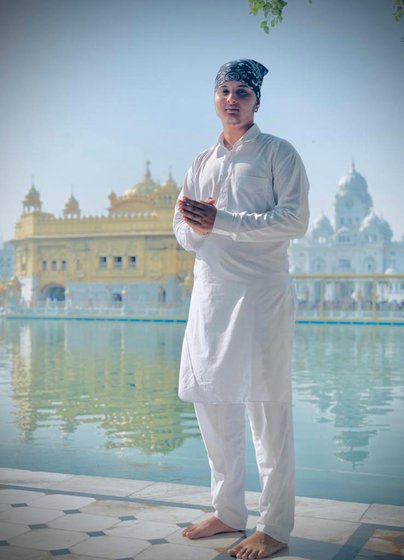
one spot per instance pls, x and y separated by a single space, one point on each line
54 292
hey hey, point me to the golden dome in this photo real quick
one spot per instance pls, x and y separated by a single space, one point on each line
32 200
72 207
143 188
170 186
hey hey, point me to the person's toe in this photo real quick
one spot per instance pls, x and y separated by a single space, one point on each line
243 553
187 531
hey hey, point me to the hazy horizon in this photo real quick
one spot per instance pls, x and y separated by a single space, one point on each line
92 90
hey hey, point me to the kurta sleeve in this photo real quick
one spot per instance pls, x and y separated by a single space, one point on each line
186 236
290 216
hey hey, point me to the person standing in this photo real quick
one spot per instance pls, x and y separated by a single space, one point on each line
241 203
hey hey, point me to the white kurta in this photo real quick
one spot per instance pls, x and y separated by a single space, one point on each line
238 340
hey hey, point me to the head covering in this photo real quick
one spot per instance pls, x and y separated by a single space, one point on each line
245 70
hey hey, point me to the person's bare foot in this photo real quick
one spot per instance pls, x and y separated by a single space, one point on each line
207 528
259 545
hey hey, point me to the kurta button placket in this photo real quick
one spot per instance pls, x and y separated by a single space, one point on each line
224 180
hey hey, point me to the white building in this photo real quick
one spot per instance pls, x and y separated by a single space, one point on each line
357 241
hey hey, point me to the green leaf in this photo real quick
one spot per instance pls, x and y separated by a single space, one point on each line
273 11
264 26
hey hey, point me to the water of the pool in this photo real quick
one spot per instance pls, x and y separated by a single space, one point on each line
100 398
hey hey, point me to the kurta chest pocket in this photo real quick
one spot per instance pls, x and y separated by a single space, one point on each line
252 194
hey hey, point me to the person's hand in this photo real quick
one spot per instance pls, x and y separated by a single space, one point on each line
200 216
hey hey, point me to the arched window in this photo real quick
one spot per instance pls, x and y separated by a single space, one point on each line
344 237
369 265
318 265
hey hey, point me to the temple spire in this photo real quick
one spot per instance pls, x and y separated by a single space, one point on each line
147 175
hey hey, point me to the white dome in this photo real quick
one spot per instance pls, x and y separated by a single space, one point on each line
322 227
344 230
387 231
322 222
354 183
372 221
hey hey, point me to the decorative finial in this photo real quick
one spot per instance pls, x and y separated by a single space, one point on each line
353 164
147 175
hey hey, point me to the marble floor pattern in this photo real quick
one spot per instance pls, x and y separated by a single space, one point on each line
46 516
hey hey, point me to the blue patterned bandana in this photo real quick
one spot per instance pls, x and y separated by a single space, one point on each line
245 70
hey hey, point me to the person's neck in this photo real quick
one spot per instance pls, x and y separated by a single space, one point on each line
232 135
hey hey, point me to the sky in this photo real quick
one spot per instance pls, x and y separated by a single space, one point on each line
92 89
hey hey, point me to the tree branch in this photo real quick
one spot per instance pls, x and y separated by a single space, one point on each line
272 11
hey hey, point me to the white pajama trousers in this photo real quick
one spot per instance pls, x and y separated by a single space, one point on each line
223 431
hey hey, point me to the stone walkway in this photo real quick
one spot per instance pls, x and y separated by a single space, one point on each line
45 516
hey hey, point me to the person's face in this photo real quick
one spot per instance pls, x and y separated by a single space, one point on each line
235 104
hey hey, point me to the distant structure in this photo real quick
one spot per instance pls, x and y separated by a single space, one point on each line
7 261
129 257
358 241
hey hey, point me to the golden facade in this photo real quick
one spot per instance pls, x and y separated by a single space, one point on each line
98 260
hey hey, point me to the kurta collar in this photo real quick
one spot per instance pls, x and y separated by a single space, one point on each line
250 135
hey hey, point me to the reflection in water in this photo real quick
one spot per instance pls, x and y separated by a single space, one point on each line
122 379
352 375
121 376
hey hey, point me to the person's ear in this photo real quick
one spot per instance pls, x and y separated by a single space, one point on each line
257 106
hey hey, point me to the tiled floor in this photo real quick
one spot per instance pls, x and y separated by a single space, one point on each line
45 516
